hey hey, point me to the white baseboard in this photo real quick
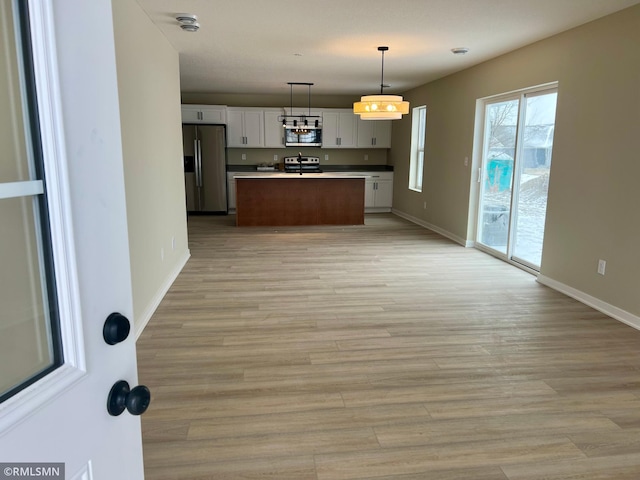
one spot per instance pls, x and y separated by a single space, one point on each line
142 321
604 307
434 228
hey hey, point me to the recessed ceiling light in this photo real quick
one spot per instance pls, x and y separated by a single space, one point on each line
459 50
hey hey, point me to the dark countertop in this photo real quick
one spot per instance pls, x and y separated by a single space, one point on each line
325 168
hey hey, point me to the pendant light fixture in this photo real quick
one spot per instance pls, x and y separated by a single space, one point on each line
301 122
381 107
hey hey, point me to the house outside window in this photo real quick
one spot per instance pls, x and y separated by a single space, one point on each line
418 133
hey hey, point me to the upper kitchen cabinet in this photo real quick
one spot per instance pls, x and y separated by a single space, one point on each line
215 114
273 131
245 127
339 129
374 133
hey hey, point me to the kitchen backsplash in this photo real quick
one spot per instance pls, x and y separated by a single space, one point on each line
356 156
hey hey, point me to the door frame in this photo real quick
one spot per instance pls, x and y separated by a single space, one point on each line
480 144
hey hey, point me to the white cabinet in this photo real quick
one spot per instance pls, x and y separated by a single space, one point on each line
378 191
339 129
231 192
273 131
245 127
204 114
374 133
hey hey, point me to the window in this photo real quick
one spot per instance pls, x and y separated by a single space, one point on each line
418 133
30 343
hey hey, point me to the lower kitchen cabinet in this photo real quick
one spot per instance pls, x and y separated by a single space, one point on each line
231 192
378 193
378 190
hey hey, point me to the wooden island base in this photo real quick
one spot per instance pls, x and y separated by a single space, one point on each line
302 200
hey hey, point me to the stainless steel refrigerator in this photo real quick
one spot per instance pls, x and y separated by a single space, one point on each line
205 168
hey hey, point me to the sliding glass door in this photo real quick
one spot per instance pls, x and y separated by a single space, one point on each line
517 144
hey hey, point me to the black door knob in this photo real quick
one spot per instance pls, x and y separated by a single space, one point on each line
135 400
116 328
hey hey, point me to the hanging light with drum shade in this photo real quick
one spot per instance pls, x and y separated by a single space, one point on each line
381 107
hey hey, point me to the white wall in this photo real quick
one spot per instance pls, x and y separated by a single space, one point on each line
593 193
149 97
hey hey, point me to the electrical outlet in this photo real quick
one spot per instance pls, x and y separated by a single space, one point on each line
602 265
466 161
173 243
326 156
425 205
275 158
366 157
244 156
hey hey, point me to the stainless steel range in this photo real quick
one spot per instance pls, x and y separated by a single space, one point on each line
302 164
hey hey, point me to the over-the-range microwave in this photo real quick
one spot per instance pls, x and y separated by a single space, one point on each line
302 136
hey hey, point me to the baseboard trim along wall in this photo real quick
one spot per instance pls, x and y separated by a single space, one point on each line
141 323
433 228
604 307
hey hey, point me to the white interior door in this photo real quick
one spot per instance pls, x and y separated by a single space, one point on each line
61 416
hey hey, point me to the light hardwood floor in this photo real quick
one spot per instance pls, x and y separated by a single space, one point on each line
379 351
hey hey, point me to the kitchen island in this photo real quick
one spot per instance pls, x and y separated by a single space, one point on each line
291 199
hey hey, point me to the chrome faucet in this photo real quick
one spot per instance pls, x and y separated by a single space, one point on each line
300 161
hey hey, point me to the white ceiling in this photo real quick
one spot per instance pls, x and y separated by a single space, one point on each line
257 46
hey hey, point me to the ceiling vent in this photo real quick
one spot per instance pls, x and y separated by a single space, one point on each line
188 22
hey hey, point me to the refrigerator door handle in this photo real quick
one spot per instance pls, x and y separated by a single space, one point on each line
196 168
198 150
199 181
